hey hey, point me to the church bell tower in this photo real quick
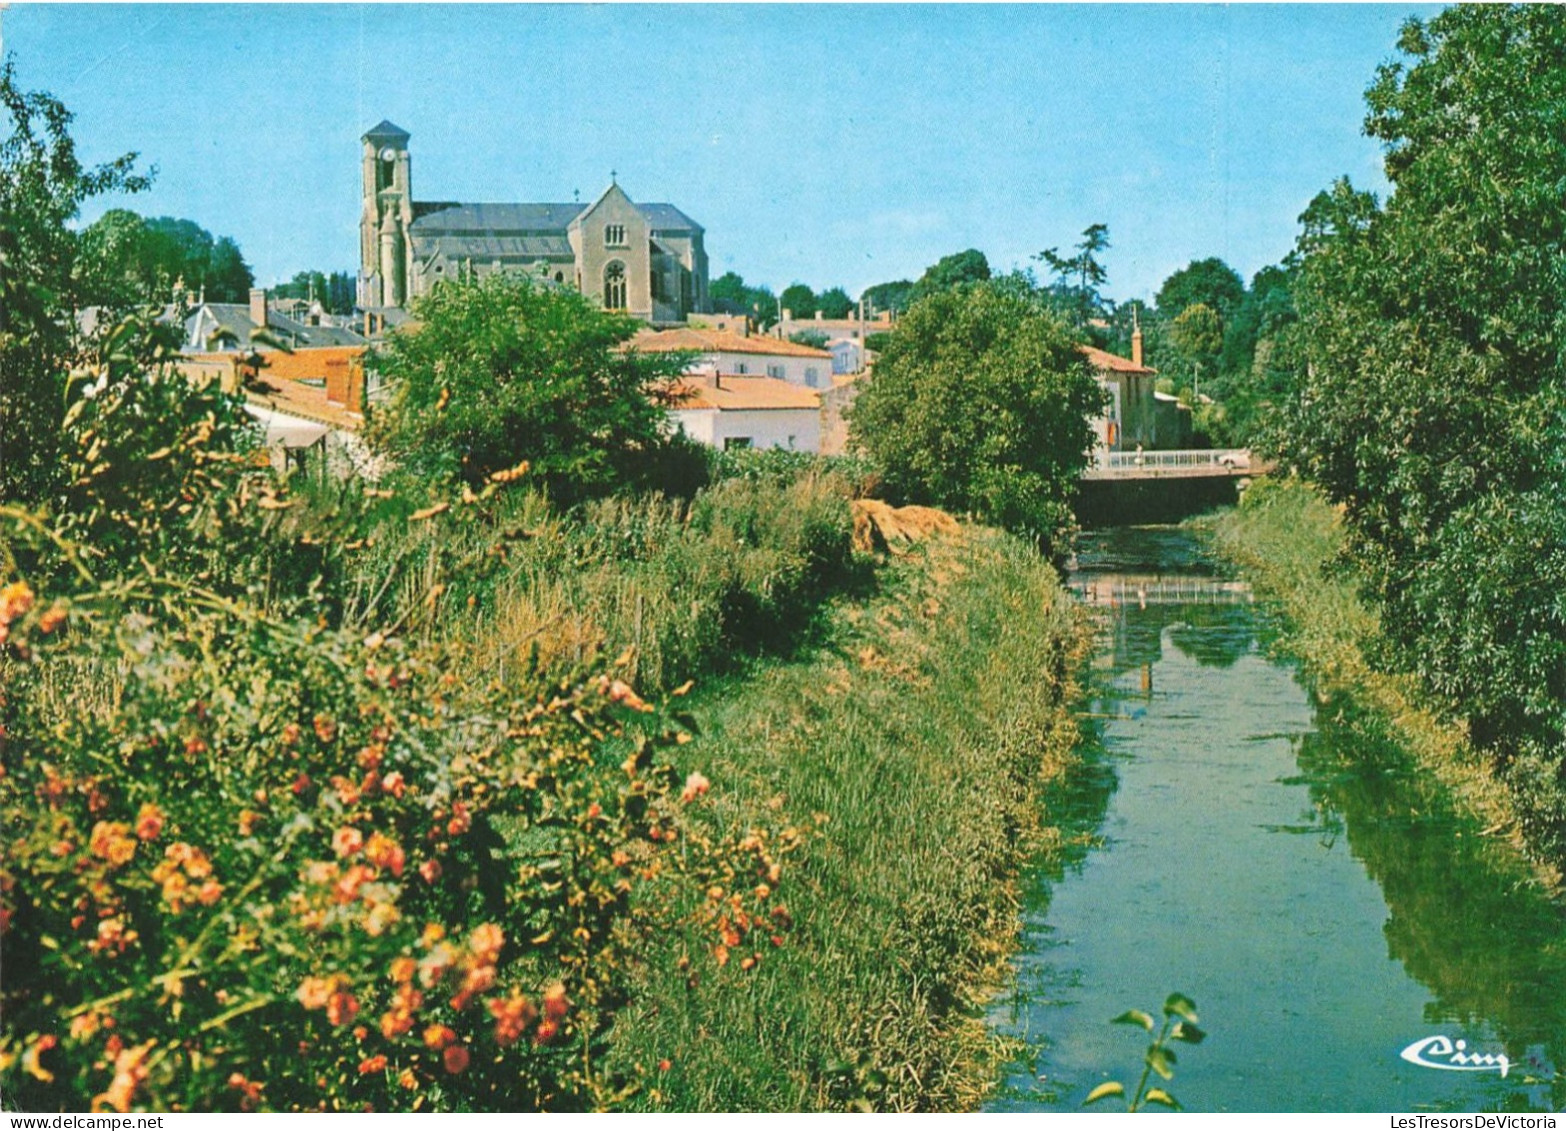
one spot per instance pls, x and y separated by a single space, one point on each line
387 213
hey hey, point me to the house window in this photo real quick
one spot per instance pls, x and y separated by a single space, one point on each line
614 235
735 443
812 376
614 286
740 369
775 371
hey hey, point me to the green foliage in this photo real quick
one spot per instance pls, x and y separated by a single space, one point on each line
1179 1025
980 403
146 261
335 292
42 187
835 303
262 858
1079 278
729 294
815 339
1434 408
1211 282
919 745
499 372
951 271
798 300
894 296
1197 336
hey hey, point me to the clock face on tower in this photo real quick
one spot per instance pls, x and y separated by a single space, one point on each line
388 154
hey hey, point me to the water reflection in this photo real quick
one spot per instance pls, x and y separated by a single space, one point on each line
1284 864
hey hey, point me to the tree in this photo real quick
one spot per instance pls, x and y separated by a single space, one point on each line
835 303
335 292
799 300
729 294
1198 335
500 371
815 339
228 277
1078 279
1432 404
42 187
951 271
894 296
980 403
1211 282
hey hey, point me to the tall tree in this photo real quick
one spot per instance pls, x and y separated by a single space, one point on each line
835 303
1211 282
799 300
980 403
952 271
1433 402
42 187
1079 278
893 296
501 371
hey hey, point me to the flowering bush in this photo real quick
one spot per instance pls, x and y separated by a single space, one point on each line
254 860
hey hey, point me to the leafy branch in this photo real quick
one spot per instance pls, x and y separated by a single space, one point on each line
1179 1025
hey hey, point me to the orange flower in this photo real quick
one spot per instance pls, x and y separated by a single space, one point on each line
52 620
112 936
111 841
325 728
347 840
347 888
290 735
430 870
149 822
455 1058
485 943
695 785
15 600
555 1002
30 1058
372 1064
544 1032
314 993
721 953
460 820
209 893
249 1090
403 969
395 1023
386 853
438 1036
341 1008
393 784
247 821
407 1079
512 1017
129 1072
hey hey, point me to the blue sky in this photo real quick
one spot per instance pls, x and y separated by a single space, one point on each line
833 144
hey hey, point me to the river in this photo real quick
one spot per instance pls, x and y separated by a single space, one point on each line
1277 859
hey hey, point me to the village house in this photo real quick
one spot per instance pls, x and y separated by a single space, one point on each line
1137 415
742 355
729 412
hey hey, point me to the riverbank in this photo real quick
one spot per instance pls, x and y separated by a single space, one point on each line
917 747
1285 537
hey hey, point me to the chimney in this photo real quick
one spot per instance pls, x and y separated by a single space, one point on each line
1136 339
819 316
258 307
788 315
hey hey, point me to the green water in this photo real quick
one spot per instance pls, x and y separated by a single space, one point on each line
1278 860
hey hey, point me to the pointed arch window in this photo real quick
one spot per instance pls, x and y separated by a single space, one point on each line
614 286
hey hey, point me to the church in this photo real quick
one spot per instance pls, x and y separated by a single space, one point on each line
647 260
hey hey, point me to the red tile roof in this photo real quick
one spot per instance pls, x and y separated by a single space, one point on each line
736 393
720 341
1113 362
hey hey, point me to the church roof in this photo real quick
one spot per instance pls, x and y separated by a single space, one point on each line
481 245
532 219
507 219
385 131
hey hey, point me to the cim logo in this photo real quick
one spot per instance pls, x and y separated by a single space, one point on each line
1452 1056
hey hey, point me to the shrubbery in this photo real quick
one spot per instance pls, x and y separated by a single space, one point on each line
258 857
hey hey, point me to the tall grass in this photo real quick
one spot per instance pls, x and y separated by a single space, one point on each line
1289 541
916 747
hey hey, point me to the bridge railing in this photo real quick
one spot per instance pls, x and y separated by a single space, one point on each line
1232 458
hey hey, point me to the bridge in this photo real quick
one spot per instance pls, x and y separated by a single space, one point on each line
1195 463
1116 590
